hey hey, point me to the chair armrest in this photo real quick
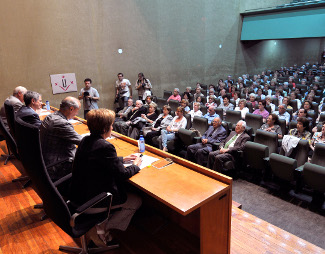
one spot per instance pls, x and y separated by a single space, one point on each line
197 140
58 162
62 180
215 146
300 169
280 142
89 204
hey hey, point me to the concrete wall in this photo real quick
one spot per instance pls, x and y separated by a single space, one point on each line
175 43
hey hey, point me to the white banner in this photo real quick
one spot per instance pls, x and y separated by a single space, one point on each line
64 83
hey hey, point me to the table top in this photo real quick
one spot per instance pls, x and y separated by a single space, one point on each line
176 185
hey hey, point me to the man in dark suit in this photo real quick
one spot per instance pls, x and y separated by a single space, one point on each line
229 148
199 152
28 113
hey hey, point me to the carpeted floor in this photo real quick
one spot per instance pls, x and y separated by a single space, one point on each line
284 210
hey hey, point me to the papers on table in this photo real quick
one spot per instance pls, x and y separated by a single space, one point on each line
72 121
146 161
44 112
85 134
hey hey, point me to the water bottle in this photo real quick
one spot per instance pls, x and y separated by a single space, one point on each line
141 144
48 105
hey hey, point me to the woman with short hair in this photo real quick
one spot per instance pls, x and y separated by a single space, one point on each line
97 169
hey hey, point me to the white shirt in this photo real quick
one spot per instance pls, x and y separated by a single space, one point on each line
126 90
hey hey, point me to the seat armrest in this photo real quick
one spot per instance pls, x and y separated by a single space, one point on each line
58 162
215 146
300 169
89 204
62 180
197 140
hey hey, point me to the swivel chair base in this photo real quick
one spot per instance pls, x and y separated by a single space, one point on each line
85 250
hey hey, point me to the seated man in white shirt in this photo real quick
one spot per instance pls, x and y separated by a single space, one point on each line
229 148
282 113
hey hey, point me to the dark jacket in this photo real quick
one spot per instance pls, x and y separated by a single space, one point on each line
97 169
28 115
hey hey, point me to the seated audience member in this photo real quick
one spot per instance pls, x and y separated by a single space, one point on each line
175 96
149 118
198 93
148 100
199 152
198 100
16 100
236 98
271 125
308 106
260 94
184 104
318 137
278 95
293 96
195 111
267 91
123 113
161 123
59 139
261 110
29 113
282 113
302 129
211 93
242 108
179 121
211 102
133 117
229 148
226 105
211 114
252 100
286 101
268 100
97 169
302 113
221 94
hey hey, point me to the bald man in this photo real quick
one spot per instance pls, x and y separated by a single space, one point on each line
16 100
59 139
199 152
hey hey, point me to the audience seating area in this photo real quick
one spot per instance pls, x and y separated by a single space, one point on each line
263 156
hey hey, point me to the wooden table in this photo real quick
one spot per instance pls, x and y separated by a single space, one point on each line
200 195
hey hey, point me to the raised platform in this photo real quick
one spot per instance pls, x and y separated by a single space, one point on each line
23 232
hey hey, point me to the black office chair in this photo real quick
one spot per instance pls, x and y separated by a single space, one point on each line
254 121
11 143
10 115
200 124
294 105
71 218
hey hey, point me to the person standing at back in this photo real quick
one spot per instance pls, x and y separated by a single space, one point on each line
123 90
143 86
90 97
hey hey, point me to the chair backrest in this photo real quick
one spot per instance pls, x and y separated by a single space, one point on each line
219 111
227 126
167 94
319 155
173 104
161 102
314 106
189 121
200 124
317 99
321 117
10 115
217 100
254 121
269 139
249 105
186 136
11 143
292 125
283 125
29 147
314 176
294 105
302 150
203 110
233 116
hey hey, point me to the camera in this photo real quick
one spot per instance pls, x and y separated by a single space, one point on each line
86 94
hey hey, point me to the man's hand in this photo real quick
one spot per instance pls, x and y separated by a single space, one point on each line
223 150
204 141
169 129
